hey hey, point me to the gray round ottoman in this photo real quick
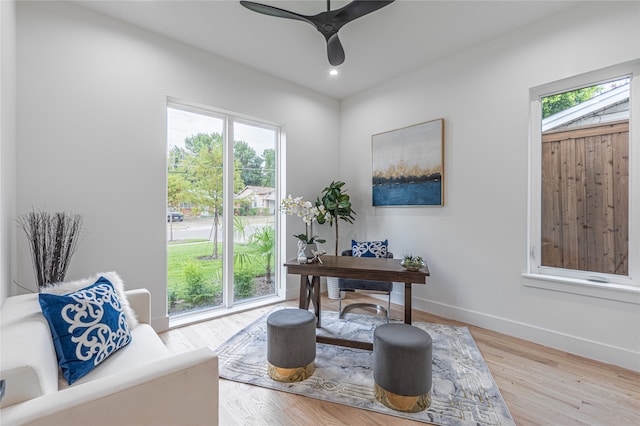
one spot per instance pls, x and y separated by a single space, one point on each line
402 367
291 344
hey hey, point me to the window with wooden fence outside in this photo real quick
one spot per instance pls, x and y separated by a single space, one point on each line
585 198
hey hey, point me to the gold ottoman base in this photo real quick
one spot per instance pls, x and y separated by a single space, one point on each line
289 375
407 404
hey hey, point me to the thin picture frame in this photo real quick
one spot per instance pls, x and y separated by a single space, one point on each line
408 165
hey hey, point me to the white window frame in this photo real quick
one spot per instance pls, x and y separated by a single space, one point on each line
607 286
229 305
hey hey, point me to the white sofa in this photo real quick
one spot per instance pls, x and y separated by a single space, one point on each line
140 384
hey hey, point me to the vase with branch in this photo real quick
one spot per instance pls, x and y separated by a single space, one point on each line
53 239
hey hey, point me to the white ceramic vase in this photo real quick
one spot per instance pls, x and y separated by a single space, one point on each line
305 251
308 251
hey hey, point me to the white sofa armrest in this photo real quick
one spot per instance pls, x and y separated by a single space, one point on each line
140 301
182 389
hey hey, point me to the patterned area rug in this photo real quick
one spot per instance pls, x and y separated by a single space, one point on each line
463 391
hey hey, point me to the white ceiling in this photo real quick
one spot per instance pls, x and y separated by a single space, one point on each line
397 39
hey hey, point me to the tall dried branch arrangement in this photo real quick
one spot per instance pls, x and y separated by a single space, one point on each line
53 238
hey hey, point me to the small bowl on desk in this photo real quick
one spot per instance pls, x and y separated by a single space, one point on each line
413 263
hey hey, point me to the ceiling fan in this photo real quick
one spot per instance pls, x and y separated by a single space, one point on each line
328 23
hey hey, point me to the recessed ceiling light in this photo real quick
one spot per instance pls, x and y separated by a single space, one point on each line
333 71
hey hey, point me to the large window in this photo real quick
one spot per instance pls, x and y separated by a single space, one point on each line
584 178
221 209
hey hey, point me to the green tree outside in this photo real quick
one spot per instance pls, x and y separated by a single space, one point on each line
556 103
206 168
195 176
249 162
263 242
269 168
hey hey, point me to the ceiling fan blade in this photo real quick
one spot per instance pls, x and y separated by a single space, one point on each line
335 52
274 11
359 8
327 23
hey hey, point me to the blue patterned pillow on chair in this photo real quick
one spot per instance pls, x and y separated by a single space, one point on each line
87 326
369 248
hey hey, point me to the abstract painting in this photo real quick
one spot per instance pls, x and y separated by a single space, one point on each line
408 165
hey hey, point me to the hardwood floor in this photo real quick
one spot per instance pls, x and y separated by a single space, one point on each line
541 386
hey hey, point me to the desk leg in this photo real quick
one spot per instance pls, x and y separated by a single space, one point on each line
303 300
315 288
310 294
407 303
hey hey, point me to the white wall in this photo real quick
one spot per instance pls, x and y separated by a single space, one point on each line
91 138
7 144
476 244
92 133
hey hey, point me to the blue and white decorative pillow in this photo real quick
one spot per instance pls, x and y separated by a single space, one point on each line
369 248
67 287
87 326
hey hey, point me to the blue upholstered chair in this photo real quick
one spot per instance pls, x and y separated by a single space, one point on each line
353 284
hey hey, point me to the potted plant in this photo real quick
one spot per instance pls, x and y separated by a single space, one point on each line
308 213
337 206
412 263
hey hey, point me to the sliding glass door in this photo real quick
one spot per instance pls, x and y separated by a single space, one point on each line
221 207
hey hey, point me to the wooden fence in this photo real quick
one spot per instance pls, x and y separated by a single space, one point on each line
585 198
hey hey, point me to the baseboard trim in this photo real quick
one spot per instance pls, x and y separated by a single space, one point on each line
572 344
160 324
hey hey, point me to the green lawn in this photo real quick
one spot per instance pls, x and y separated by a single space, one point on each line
196 281
181 254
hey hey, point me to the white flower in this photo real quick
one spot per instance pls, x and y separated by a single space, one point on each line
303 209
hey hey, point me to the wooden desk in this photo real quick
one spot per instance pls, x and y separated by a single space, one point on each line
364 268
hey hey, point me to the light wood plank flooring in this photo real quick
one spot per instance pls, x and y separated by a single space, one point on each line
541 386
